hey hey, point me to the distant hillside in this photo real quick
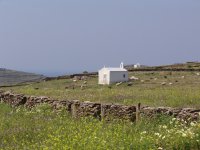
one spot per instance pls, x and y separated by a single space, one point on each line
12 77
188 66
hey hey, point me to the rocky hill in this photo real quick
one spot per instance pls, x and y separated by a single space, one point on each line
12 77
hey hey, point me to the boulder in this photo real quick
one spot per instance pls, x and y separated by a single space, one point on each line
163 83
118 84
133 78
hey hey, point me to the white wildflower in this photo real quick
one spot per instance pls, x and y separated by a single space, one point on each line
141 139
173 119
184 135
144 132
157 134
164 127
192 124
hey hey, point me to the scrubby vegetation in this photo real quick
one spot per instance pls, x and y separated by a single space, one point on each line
41 128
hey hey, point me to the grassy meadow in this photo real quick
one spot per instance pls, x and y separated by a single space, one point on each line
41 128
180 89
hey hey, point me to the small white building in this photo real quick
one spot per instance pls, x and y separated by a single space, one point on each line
137 65
113 75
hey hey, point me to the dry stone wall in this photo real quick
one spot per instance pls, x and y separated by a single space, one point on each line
118 111
181 113
97 110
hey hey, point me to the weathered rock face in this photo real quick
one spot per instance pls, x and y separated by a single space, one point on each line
97 110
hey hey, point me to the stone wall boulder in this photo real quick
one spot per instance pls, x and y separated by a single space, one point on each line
118 111
181 113
88 109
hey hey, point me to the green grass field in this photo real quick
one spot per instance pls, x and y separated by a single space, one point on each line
41 128
181 89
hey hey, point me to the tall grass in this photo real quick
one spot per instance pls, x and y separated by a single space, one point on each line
41 128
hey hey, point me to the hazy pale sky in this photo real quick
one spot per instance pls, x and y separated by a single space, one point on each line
47 36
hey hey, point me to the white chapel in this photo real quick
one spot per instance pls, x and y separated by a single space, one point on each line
113 75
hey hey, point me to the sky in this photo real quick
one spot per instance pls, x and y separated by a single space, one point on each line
68 36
